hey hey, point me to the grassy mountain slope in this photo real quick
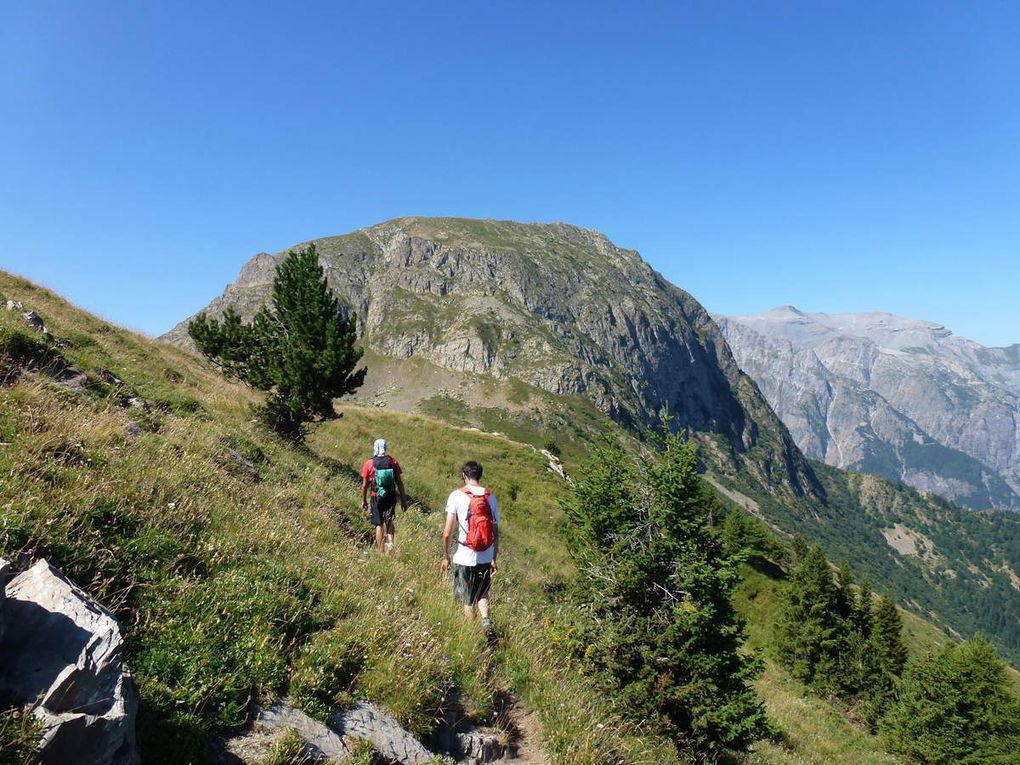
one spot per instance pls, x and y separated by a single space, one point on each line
954 566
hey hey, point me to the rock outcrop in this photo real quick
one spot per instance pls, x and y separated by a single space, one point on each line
392 742
902 398
555 306
320 741
62 653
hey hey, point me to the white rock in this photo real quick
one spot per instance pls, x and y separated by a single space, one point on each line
35 321
62 652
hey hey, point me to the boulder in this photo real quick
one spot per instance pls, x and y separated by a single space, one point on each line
480 747
62 653
72 379
15 305
110 378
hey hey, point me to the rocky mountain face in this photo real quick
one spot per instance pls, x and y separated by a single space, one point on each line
558 307
902 398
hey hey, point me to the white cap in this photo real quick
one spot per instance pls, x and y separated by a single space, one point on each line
379 447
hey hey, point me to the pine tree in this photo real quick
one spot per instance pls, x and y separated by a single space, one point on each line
955 705
863 608
880 656
844 592
747 537
887 637
858 664
809 628
798 549
656 625
300 348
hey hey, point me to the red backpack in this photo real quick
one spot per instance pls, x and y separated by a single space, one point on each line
480 521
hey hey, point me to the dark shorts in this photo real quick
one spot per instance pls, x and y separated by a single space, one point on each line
471 583
384 510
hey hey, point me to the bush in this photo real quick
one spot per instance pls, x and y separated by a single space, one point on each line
212 645
22 347
552 447
325 672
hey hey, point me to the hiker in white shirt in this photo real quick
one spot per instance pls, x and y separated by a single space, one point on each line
473 510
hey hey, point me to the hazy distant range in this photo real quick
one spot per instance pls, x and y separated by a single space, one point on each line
904 398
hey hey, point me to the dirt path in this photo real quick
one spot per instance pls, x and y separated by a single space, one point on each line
525 729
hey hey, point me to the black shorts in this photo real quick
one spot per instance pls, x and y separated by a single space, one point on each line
471 583
383 510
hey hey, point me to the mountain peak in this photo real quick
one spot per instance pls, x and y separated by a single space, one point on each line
552 305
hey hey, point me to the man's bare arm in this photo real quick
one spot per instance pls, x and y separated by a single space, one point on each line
495 547
364 493
451 523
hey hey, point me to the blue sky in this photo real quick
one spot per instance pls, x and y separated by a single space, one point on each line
836 156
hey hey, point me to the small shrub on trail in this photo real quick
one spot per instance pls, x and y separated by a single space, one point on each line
552 447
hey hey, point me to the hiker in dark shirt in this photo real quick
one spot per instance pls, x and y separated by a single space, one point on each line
381 474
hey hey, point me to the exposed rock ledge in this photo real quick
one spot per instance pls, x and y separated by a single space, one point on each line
62 653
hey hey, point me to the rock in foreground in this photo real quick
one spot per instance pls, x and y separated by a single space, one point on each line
62 653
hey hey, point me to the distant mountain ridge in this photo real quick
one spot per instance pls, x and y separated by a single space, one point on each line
903 398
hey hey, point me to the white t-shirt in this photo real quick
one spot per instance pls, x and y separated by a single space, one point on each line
458 504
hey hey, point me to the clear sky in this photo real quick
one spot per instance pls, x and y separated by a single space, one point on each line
839 156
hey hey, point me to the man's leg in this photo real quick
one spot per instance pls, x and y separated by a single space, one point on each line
391 534
379 522
462 589
484 580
